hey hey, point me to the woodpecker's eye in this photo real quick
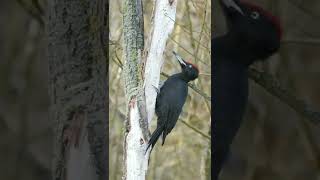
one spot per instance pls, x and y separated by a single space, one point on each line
255 15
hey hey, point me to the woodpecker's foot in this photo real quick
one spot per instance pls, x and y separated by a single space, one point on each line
161 83
157 90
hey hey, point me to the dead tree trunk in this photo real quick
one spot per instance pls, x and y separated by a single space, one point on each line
142 74
134 141
78 88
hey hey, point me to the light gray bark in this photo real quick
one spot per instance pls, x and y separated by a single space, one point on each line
142 75
78 77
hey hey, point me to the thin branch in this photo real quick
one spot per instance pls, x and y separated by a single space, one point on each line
192 86
32 12
303 9
195 129
268 82
310 41
188 51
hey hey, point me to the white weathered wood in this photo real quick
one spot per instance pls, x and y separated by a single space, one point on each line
164 18
137 163
136 158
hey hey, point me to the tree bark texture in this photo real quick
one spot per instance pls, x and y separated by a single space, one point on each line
142 74
78 88
135 163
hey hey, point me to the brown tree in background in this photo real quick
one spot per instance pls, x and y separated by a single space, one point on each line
25 132
78 88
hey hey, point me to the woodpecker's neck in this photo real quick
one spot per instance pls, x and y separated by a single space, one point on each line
183 77
232 48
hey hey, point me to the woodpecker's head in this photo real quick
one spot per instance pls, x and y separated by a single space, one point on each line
189 70
255 30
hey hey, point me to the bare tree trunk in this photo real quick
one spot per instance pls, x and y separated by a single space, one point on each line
78 88
134 141
142 75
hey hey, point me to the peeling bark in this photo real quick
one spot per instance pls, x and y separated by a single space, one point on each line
142 74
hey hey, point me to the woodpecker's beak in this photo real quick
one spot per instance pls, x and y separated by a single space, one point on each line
179 58
231 5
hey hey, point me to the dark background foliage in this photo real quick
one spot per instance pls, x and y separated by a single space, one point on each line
25 131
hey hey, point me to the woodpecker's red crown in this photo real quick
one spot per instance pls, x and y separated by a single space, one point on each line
273 19
193 65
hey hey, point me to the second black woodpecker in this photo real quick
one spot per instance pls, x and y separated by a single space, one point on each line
253 34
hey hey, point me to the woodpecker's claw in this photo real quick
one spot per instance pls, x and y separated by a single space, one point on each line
157 90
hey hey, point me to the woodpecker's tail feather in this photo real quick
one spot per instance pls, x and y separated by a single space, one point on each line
154 137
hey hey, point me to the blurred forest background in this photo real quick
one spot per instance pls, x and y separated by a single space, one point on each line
185 154
25 131
273 142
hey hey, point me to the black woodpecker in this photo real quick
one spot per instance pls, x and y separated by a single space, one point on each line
171 99
253 34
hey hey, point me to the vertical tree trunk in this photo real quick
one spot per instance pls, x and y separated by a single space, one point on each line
134 141
142 75
78 88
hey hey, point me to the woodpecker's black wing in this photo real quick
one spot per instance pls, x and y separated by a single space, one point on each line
170 102
161 114
172 119
169 105
230 93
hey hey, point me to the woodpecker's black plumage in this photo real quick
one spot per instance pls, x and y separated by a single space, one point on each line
171 99
253 34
